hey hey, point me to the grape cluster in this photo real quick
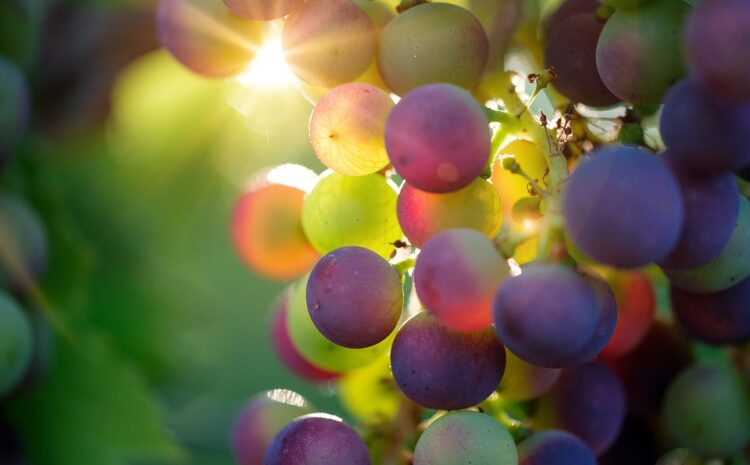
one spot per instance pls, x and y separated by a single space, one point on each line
487 283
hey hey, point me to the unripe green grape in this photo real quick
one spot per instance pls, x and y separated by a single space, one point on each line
15 344
347 210
369 393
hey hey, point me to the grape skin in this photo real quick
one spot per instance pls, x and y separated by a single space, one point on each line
636 306
23 244
523 381
262 10
15 344
569 9
554 447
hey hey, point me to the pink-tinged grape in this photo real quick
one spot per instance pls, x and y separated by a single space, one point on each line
206 37
267 224
639 55
261 419
424 214
704 133
15 344
438 137
329 42
352 210
262 10
554 447
439 368
523 381
347 129
282 344
707 409
718 318
636 306
456 275
623 207
647 370
319 350
587 401
317 439
369 393
15 107
513 187
547 316
571 50
465 438
726 270
430 43
712 205
23 244
716 37
354 297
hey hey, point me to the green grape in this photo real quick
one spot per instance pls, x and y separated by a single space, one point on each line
369 393
726 270
15 344
318 350
346 210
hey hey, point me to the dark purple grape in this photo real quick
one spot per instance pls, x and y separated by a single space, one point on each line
317 439
587 401
547 316
438 138
703 132
712 205
571 50
444 369
719 318
554 447
354 297
717 35
607 315
623 207
567 10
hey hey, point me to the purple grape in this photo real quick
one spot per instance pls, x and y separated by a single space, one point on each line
444 369
317 439
554 447
547 316
587 401
569 9
607 316
712 205
719 318
704 133
354 297
571 50
438 138
623 207
717 35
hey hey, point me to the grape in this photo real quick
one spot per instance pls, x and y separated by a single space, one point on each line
718 318
707 408
726 270
261 419
587 401
267 227
547 316
438 138
500 19
626 4
607 315
430 43
571 50
424 214
206 37
354 297
465 438
623 207
712 206
524 381
282 344
705 133
15 106
262 10
442 369
42 351
347 129
369 393
513 187
639 55
456 276
716 37
23 244
329 42
554 448
317 439
15 344
347 210
636 305
745 173
635 444
315 347
569 9
381 14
